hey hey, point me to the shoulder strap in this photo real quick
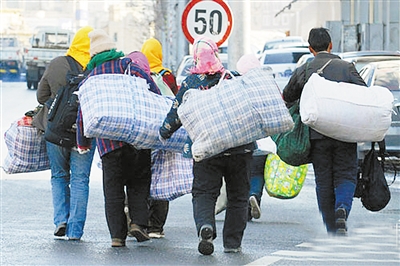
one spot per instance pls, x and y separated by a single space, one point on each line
321 70
162 72
73 64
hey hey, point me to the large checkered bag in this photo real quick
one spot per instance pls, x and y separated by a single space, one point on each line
171 175
233 113
26 150
121 107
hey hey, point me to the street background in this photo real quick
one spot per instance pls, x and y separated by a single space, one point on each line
289 232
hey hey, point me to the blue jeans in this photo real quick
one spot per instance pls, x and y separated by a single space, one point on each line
257 180
335 169
70 186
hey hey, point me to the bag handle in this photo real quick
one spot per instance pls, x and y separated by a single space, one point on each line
226 72
382 154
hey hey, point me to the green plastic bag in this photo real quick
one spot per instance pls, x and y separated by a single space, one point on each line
282 180
293 147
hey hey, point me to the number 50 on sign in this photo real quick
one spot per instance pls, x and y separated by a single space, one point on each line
210 18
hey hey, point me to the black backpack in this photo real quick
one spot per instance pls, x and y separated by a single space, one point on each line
61 125
372 186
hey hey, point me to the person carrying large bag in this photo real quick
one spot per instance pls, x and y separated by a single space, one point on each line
334 161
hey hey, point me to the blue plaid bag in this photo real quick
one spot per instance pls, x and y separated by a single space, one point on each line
121 107
26 150
171 175
233 113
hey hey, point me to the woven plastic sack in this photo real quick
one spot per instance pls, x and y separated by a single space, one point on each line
26 150
345 111
171 175
233 113
120 107
282 180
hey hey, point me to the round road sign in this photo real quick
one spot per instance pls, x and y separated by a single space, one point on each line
210 18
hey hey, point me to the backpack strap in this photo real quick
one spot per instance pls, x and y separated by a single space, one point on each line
73 65
162 72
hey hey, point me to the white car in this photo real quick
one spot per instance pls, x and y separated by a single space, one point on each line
282 62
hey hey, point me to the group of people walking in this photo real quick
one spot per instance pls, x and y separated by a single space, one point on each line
127 170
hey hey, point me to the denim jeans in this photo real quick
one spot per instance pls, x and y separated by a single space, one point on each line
70 186
335 169
257 180
207 182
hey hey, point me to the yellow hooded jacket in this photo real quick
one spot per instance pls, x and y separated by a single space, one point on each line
152 49
80 46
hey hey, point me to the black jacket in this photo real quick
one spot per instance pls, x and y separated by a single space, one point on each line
337 70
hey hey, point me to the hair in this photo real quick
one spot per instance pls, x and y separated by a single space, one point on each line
319 39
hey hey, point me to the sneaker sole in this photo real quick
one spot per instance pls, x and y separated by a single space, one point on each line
206 246
140 236
255 209
60 231
156 235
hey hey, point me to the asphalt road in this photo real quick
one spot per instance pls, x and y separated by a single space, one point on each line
289 232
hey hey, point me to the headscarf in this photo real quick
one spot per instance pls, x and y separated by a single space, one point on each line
247 62
152 49
140 59
205 57
79 49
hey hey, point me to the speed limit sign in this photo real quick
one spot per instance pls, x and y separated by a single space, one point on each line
210 18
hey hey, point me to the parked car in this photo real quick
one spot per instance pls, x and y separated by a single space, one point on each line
187 62
289 41
386 74
362 58
304 59
282 62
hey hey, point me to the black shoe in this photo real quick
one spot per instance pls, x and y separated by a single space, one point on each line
206 246
138 232
60 230
341 216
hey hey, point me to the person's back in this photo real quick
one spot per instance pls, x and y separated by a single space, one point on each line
122 164
69 170
334 161
233 165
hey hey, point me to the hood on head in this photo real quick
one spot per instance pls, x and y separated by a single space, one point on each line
140 59
80 46
205 57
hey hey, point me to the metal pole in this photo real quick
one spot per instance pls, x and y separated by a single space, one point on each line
238 42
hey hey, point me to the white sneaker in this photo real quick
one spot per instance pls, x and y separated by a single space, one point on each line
255 208
157 235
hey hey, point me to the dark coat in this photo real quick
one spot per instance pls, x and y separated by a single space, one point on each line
337 70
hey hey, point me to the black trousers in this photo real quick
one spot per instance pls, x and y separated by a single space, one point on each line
158 211
207 182
131 168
